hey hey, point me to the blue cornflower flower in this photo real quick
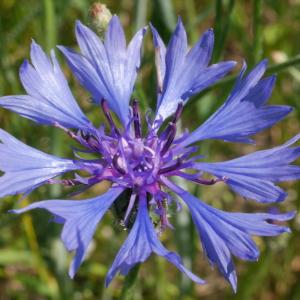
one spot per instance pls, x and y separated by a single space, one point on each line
142 165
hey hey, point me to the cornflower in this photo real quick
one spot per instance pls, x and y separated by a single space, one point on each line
142 163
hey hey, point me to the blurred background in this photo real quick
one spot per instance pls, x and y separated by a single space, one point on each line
33 261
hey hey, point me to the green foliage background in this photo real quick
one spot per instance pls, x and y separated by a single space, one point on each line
33 262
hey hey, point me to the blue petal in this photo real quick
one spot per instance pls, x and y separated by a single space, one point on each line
244 113
207 77
84 72
182 74
253 175
133 55
80 219
160 58
115 40
50 99
141 242
25 167
224 234
115 66
175 57
201 53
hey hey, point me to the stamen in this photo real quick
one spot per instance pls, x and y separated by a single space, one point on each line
91 140
117 166
178 112
129 208
164 222
171 168
65 182
200 180
108 117
136 119
170 138
158 71
208 181
176 117
67 131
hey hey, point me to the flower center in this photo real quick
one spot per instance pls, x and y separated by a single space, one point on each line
139 160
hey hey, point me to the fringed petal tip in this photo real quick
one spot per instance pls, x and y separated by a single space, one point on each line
179 22
71 273
155 35
144 29
259 69
233 282
78 26
287 216
25 64
227 65
193 277
108 280
280 198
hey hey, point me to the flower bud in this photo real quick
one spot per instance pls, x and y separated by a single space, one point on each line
99 16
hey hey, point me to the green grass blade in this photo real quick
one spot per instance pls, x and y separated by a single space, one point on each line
257 31
222 24
168 13
141 13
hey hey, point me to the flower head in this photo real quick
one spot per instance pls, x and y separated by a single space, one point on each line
142 164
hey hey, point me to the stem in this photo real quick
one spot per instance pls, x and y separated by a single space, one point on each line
289 63
50 29
166 7
129 284
191 20
222 24
276 68
141 13
50 41
257 31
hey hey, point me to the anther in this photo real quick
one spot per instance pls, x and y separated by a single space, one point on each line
90 139
176 117
171 168
136 119
210 181
117 166
170 138
67 131
164 222
109 117
129 208
178 112
65 182
158 71
197 179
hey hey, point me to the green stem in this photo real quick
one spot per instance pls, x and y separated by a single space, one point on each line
257 34
141 13
276 68
168 13
222 24
50 28
129 284
191 12
280 67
